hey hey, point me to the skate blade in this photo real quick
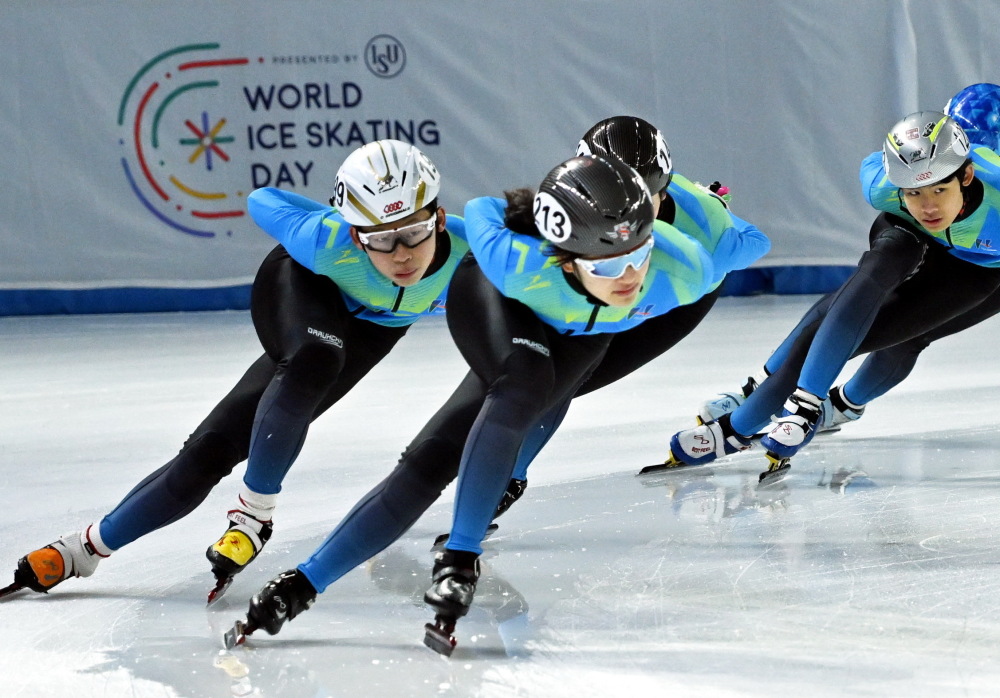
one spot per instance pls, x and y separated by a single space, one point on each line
441 542
237 634
776 471
221 586
439 639
10 589
668 464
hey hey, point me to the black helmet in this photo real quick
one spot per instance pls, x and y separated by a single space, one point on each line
594 207
634 141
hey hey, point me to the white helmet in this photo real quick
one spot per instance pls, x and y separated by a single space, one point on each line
384 181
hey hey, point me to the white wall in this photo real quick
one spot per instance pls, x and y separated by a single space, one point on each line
779 99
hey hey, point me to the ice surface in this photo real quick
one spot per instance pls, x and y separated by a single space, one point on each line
870 571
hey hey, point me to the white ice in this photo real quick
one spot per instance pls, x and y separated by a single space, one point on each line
872 570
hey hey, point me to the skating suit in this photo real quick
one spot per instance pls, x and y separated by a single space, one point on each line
974 238
325 318
911 288
682 269
732 242
318 238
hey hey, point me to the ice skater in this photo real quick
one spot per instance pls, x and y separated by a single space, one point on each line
931 271
328 303
976 109
563 311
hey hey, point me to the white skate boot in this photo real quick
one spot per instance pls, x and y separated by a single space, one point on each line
73 555
726 403
837 410
703 444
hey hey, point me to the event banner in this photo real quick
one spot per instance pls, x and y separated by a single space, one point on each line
132 133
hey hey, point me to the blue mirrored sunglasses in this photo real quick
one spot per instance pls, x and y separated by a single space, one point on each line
614 267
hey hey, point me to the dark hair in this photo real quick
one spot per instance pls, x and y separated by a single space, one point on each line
960 173
520 218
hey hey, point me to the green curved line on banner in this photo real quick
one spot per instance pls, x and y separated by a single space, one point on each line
170 97
144 69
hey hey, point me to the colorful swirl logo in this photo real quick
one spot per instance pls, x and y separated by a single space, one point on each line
178 141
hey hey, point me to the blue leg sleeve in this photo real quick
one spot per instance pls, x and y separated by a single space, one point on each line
537 437
881 372
487 465
375 522
285 411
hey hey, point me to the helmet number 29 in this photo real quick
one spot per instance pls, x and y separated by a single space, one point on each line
551 219
338 195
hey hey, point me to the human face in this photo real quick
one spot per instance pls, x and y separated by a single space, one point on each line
600 282
938 205
403 265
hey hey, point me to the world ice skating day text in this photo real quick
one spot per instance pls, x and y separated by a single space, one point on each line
282 134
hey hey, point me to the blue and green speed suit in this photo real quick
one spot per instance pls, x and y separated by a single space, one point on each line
325 316
732 243
911 288
522 268
560 325
681 274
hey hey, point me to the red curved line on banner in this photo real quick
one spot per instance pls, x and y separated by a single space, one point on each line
220 214
218 151
209 64
138 144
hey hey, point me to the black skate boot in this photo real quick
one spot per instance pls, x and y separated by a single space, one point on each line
455 575
281 599
515 488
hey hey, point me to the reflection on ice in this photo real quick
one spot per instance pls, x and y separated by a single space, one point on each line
870 569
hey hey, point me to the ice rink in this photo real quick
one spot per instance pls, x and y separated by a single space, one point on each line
871 570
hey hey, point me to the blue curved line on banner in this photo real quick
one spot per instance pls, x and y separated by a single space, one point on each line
189 231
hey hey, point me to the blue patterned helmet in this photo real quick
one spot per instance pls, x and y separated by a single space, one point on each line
977 110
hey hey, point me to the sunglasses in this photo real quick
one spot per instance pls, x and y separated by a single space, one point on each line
409 236
615 267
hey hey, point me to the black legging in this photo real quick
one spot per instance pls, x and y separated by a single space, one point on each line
903 288
315 352
886 368
431 461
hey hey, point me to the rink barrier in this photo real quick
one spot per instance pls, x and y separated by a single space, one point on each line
787 280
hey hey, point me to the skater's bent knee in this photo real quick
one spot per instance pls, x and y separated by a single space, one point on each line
315 363
206 457
433 462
